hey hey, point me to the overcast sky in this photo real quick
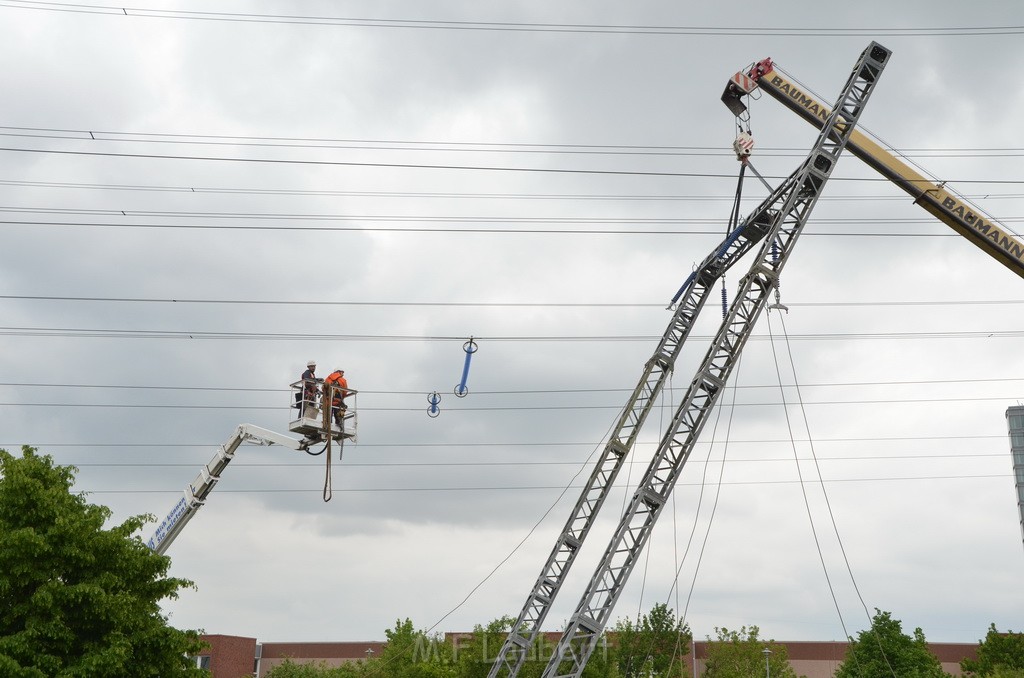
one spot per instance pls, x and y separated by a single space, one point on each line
195 205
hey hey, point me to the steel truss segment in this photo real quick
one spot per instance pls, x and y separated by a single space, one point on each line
524 633
790 212
691 301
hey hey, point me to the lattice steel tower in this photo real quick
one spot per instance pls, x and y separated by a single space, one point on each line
1015 422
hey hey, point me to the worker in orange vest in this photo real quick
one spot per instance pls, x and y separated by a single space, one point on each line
336 388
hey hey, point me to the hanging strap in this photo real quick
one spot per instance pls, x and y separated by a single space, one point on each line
326 407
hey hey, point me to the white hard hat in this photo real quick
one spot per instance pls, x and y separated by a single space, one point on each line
311 363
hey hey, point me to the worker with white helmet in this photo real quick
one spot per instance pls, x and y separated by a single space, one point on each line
310 388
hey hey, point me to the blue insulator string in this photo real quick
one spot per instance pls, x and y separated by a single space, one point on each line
470 348
725 300
434 399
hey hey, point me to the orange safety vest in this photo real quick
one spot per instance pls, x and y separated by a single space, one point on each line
341 386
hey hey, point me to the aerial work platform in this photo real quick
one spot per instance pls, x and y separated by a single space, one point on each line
308 412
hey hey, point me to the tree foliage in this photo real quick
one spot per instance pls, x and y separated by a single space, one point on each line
290 669
476 654
741 654
411 653
884 651
656 644
76 599
1000 655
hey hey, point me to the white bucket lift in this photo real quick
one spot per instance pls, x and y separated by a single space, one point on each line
308 413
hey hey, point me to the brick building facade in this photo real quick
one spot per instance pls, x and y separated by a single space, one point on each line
239 657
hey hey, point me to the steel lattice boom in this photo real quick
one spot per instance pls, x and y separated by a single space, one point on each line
689 301
788 214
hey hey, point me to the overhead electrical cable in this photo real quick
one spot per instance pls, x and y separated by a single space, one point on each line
437 166
482 304
393 165
195 335
552 391
293 228
446 195
127 12
421 218
461 464
492 408
196 139
525 488
143 445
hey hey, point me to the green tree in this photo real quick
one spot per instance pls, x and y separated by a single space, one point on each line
290 669
656 644
78 600
741 654
999 655
477 653
410 653
884 651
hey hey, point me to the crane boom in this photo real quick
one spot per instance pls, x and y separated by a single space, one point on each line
789 215
689 301
952 210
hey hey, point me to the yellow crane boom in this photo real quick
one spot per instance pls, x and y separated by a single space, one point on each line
964 218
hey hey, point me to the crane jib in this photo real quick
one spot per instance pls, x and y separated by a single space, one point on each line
806 102
986 229
967 220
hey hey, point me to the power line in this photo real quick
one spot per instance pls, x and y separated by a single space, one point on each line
507 26
349 163
150 446
489 408
455 146
445 195
407 218
320 228
437 166
436 464
195 335
236 389
522 488
484 304
306 302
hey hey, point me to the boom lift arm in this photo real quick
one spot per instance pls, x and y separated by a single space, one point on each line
199 489
789 215
317 421
950 209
